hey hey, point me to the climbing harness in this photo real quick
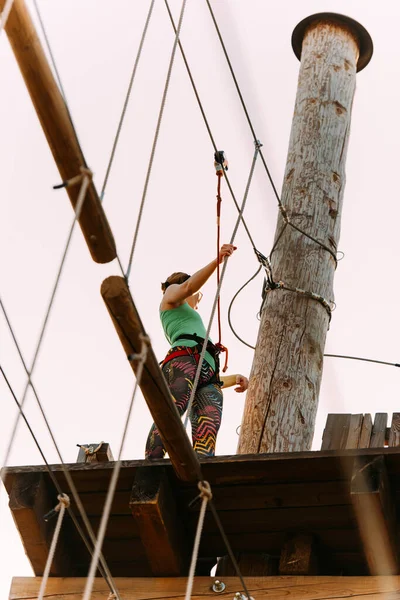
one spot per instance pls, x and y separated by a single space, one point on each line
221 165
195 352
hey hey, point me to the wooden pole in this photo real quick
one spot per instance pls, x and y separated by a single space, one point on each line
128 325
57 126
282 399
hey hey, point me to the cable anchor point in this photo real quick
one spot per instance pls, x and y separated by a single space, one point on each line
220 162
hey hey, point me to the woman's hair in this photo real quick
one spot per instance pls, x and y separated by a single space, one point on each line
174 278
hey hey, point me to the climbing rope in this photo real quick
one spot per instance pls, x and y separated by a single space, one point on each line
141 359
206 496
126 102
238 220
157 132
206 123
63 503
220 166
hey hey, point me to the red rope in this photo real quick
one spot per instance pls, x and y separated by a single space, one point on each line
219 345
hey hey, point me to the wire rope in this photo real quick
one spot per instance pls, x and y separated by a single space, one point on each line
104 570
55 68
86 177
141 358
155 140
281 207
5 14
80 201
207 123
126 102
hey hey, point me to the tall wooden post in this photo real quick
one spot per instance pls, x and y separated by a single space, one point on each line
282 399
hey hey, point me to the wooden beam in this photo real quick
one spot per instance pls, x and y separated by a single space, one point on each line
161 530
282 399
298 556
128 325
30 500
57 127
95 453
394 436
375 512
336 432
379 431
366 431
153 588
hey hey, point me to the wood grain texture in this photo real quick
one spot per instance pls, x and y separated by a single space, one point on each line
280 588
366 431
378 435
155 512
282 398
128 325
299 556
53 116
336 432
394 436
260 500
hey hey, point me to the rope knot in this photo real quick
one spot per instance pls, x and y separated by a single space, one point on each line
112 596
63 500
205 490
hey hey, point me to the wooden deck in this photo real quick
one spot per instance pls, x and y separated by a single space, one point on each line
261 499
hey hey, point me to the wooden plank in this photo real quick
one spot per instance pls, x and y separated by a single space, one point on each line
95 453
30 500
299 556
154 588
127 322
230 470
336 432
378 431
154 509
273 495
366 431
353 438
279 519
53 115
376 515
394 436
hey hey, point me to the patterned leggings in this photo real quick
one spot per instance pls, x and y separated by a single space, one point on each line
206 410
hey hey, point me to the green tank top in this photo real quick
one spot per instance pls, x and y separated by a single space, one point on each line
184 319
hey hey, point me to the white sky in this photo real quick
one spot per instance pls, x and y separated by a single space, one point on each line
82 376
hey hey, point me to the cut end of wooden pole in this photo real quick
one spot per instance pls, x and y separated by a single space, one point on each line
366 46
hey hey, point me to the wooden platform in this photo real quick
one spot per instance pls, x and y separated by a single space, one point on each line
261 500
262 588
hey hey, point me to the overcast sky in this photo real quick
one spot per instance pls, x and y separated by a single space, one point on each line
82 376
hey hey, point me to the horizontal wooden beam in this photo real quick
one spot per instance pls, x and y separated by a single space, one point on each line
57 126
376 515
154 588
161 529
123 312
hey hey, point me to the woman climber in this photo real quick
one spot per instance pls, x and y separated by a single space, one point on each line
185 331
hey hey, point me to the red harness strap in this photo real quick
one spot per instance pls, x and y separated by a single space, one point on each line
219 345
177 353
